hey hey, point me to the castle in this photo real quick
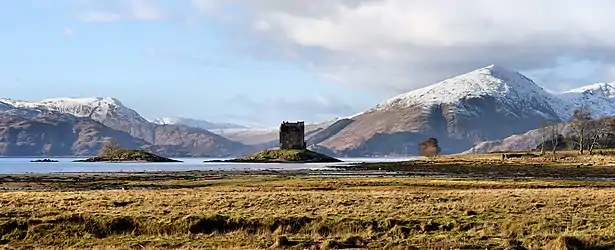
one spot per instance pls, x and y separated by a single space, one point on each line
292 135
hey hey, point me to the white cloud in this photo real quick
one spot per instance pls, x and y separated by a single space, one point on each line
68 32
205 5
115 10
146 10
404 44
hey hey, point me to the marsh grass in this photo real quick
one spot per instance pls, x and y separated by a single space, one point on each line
316 213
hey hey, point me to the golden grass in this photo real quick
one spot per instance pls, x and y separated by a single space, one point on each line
316 213
599 156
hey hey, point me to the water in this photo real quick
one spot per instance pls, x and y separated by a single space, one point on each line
10 165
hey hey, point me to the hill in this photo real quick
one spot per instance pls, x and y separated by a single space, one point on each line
112 113
485 104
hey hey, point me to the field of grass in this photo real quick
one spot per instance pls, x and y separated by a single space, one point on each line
314 213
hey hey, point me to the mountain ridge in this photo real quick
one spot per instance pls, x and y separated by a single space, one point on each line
490 102
111 113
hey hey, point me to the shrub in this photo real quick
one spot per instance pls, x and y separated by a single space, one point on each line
429 148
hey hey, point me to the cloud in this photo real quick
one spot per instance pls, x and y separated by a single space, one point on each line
115 10
273 110
404 44
68 32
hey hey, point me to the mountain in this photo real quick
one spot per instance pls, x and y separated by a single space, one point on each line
109 111
599 98
5 107
486 104
113 114
211 126
268 137
56 134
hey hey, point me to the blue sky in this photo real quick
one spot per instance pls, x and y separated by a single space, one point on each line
255 62
157 67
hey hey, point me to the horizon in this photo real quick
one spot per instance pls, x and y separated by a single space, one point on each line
259 62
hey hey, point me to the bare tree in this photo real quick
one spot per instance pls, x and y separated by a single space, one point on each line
544 134
555 130
596 133
109 147
579 122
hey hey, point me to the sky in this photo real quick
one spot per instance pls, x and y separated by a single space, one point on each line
258 62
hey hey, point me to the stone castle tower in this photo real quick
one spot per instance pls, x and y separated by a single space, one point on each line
292 135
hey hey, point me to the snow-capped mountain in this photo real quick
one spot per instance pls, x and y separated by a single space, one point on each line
485 104
106 110
113 114
606 90
598 97
211 126
493 81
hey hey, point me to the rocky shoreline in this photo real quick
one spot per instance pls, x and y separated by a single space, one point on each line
284 156
128 155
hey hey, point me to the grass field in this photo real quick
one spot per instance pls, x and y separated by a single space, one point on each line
314 213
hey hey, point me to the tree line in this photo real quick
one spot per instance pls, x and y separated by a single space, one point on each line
588 133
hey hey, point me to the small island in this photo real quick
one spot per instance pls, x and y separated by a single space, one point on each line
284 156
44 160
112 152
292 149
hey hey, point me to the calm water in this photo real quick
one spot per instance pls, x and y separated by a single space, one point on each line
11 165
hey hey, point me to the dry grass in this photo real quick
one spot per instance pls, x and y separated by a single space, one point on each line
317 213
599 157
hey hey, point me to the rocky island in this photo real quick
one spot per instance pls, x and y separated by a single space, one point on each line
285 156
292 149
111 152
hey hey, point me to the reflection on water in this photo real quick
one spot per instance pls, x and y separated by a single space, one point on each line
11 165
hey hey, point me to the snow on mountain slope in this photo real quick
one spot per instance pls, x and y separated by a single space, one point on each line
106 110
97 108
606 90
599 98
113 114
485 104
493 81
211 126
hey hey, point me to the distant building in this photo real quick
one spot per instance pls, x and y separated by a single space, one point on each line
292 135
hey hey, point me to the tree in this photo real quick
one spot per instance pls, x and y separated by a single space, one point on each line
109 147
579 122
429 148
596 133
556 137
545 130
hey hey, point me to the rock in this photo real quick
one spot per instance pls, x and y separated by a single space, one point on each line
44 160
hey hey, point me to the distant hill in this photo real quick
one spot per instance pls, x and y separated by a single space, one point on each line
211 126
113 115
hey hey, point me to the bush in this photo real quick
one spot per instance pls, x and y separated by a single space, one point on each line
429 148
